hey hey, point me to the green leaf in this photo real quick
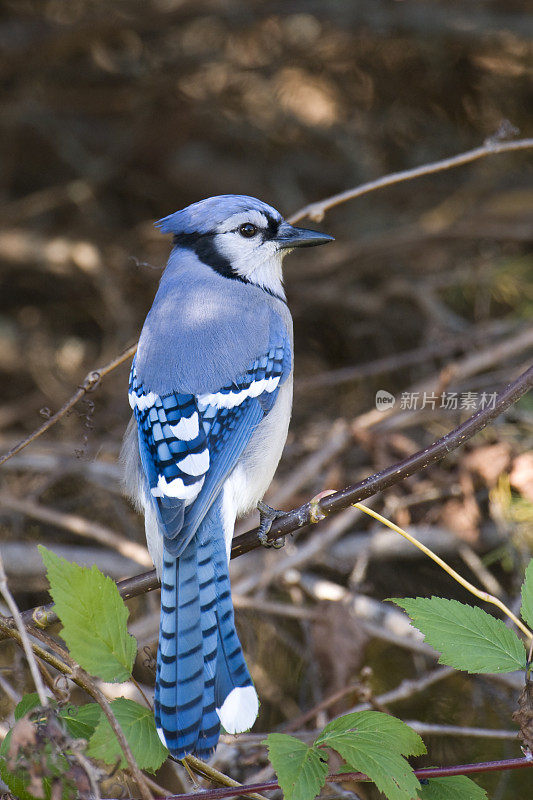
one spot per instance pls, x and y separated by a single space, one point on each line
526 610
301 770
28 703
458 787
81 721
374 743
138 726
466 636
94 618
392 731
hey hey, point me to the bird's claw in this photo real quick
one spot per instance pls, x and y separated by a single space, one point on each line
267 516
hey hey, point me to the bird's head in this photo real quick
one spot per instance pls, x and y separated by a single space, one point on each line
240 237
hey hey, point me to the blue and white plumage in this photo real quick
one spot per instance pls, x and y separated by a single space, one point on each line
211 392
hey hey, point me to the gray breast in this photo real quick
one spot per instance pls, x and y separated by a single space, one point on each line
203 330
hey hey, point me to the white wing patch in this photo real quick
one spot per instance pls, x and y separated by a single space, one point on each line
195 463
177 432
232 399
177 488
187 428
142 401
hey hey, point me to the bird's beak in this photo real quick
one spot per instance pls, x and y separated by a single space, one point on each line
288 237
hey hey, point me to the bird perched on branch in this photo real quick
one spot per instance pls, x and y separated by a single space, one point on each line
211 392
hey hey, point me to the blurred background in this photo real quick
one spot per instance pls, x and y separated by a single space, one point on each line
116 114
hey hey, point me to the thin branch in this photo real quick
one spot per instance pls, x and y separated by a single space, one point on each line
90 383
343 777
26 644
316 211
102 701
407 688
207 771
481 595
428 729
473 362
312 512
423 728
80 526
63 663
299 722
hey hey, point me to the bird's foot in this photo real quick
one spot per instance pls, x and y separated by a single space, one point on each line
267 516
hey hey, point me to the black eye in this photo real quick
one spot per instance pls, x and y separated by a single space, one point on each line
248 230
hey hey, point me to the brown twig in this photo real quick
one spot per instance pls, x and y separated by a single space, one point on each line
316 211
428 729
80 526
343 777
311 512
90 383
61 661
475 337
26 644
298 722
207 771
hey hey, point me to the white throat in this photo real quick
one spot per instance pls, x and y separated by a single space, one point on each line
260 264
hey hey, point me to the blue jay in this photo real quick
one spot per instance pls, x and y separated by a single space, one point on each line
211 392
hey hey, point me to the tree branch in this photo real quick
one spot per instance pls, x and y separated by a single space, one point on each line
315 211
79 526
492 146
25 641
313 511
63 663
90 383
421 774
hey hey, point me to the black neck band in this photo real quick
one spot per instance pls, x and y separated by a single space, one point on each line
203 244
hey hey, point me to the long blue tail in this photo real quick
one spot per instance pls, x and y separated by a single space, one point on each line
199 661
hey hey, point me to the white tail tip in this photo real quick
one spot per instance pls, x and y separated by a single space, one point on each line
239 709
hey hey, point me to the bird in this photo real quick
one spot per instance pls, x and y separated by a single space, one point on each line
211 392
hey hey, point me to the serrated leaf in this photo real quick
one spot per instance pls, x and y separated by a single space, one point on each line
138 726
457 787
27 703
526 611
466 636
301 770
81 721
391 730
374 743
94 618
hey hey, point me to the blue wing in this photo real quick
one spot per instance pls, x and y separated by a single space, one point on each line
189 444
